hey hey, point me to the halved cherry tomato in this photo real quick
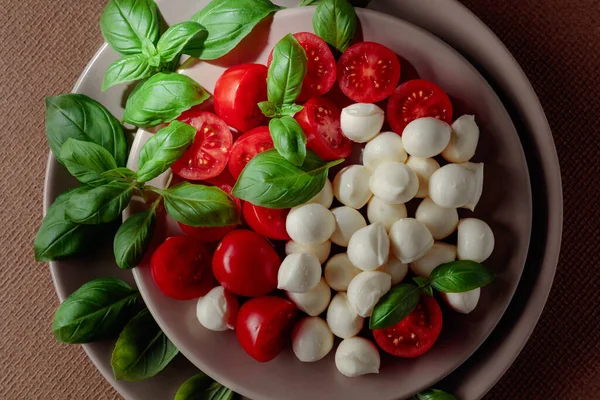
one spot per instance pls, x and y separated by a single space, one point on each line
415 334
368 72
247 146
417 99
237 94
269 222
263 326
246 264
208 155
181 268
320 121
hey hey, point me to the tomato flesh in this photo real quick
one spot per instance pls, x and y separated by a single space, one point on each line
247 146
269 222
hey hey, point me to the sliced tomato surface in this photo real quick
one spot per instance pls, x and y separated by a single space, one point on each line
269 222
247 146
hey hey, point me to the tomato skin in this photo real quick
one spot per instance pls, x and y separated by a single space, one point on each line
263 326
246 264
269 222
247 146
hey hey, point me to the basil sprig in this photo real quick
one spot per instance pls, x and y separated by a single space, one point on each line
435 394
289 139
203 387
460 276
335 22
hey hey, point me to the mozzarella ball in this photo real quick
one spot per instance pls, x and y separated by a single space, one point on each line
351 186
410 240
395 268
380 211
387 146
321 250
360 122
440 221
357 356
299 273
339 271
311 339
440 253
365 290
343 321
369 247
313 302
217 310
426 137
463 140
475 240
464 302
477 170
347 221
310 224
325 196
424 168
394 183
452 186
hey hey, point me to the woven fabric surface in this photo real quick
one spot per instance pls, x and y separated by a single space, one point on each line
44 46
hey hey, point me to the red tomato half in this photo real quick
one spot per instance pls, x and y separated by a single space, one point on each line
263 326
417 99
320 121
208 155
247 146
368 72
237 94
269 222
181 268
415 334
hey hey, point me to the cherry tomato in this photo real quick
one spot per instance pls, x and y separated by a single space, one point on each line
417 99
208 155
263 326
415 334
368 72
269 222
247 146
320 121
181 268
246 264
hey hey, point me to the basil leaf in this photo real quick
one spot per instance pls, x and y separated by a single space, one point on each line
142 350
95 311
162 98
127 69
203 387
78 117
291 109
228 22
394 306
150 53
286 72
309 3
289 139
420 281
186 37
335 22
133 237
127 24
269 180
95 205
460 276
435 394
86 161
268 109
163 149
120 173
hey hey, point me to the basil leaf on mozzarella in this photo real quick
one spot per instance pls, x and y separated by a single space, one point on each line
460 276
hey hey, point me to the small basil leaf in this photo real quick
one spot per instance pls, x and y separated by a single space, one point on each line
202 387
268 109
86 161
183 38
120 173
335 22
421 282
286 72
150 53
309 3
435 394
133 237
142 350
291 109
95 205
289 139
127 69
428 290
460 276
216 391
163 149
95 311
162 98
395 306
269 180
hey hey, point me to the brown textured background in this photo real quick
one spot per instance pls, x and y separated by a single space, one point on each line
44 46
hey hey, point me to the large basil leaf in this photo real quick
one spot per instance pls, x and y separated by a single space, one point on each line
286 72
142 350
335 22
133 237
86 161
435 394
228 22
394 306
183 38
162 98
289 139
460 276
98 204
269 180
95 311
127 69
203 387
78 117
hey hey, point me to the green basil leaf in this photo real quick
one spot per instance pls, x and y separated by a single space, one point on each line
203 387
286 72
142 350
291 109
127 24
435 394
228 22
428 290
78 117
150 53
86 161
289 139
133 237
127 69
95 311
268 109
183 38
269 180
335 22
163 149
394 306
460 276
96 205
304 3
120 173
162 98
421 282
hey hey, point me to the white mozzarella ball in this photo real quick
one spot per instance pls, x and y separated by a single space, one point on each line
313 302
343 321
347 221
369 247
477 170
310 224
360 122
311 339
440 221
440 253
463 140
217 310
299 273
426 137
387 146
424 168
351 186
339 271
357 356
380 211
321 250
395 268
452 186
365 290
394 182
475 240
464 302
410 240
325 196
